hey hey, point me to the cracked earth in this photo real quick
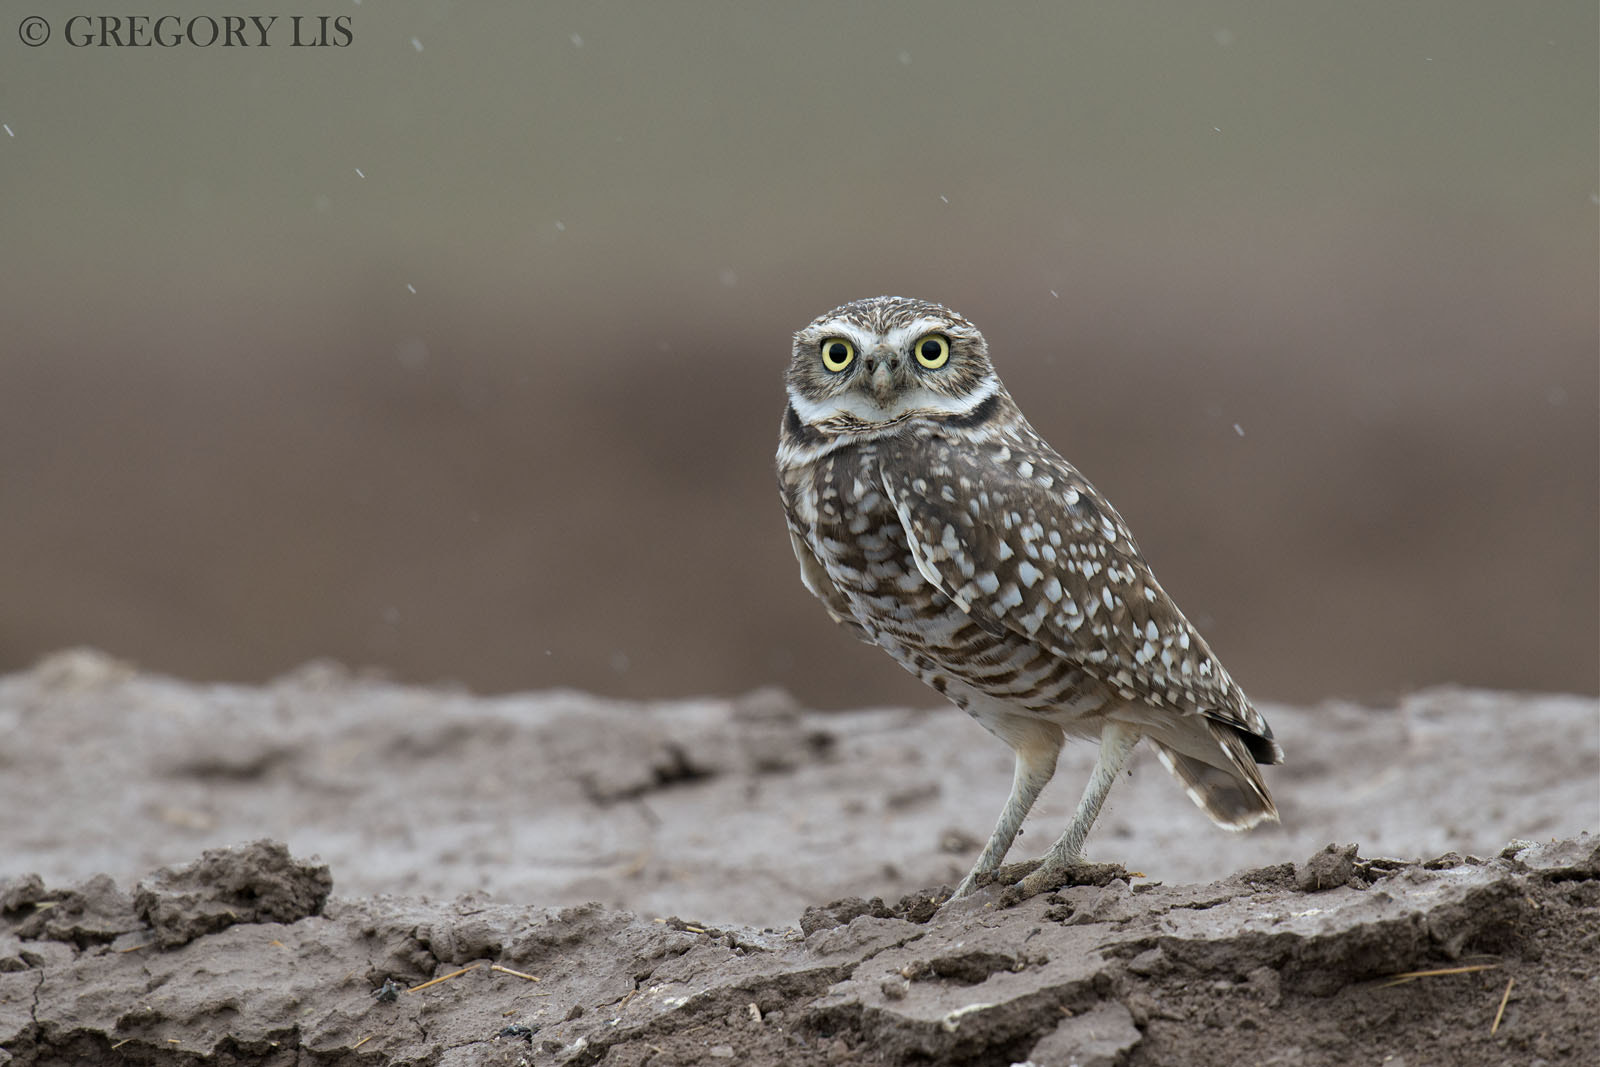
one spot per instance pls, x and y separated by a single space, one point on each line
334 870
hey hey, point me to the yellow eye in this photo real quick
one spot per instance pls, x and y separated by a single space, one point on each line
933 351
837 353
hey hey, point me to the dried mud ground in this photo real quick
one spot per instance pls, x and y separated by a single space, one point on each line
334 870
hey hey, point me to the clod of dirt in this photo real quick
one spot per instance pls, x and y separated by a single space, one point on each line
95 912
1575 858
918 907
840 912
1334 866
254 883
17 893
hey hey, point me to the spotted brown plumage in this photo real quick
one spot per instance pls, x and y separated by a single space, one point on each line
932 520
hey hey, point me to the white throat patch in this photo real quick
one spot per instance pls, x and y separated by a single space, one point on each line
912 402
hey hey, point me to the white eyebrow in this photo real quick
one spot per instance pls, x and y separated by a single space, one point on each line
865 339
902 336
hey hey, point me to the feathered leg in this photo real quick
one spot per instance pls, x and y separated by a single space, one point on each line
1116 745
1036 744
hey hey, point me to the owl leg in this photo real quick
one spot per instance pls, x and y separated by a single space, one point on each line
1116 745
1036 744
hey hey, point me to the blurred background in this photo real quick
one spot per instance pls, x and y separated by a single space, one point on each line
457 351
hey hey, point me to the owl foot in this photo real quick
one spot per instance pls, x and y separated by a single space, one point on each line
1020 881
1049 878
980 877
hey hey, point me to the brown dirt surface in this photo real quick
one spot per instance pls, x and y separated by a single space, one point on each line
745 881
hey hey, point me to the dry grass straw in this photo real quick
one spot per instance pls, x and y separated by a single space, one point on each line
1501 1010
444 977
1411 976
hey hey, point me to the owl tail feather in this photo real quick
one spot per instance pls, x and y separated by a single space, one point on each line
1227 787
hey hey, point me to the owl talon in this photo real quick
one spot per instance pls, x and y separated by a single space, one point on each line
1051 877
1006 877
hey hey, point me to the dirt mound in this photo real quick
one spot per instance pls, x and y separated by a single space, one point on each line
679 854
745 810
1247 969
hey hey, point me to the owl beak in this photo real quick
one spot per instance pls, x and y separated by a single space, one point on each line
883 368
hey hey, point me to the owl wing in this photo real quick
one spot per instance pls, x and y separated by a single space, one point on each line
816 579
1023 543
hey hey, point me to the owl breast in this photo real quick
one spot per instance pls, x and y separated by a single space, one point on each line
839 508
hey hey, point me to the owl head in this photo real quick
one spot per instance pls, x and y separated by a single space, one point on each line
875 364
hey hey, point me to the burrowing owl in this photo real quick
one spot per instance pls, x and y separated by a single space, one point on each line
931 520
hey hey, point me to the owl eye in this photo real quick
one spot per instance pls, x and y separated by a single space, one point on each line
837 353
933 351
